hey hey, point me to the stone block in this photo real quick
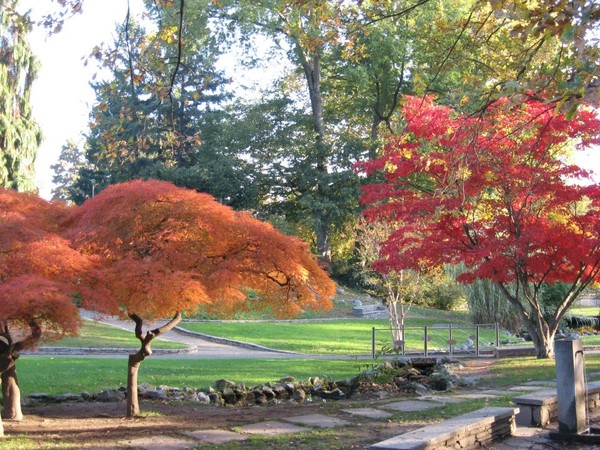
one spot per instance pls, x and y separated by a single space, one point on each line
541 416
464 431
525 416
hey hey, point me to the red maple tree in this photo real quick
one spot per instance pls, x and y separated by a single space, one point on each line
167 249
39 272
497 194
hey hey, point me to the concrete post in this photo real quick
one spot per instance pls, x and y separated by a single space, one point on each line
570 386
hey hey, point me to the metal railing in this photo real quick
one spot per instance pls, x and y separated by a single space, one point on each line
443 339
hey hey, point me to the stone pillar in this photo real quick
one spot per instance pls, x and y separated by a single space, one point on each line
570 386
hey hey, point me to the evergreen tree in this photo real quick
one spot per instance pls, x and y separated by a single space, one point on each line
160 113
67 171
20 136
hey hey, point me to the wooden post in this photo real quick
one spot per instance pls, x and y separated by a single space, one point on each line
373 343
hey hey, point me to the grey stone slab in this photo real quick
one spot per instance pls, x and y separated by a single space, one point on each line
527 388
318 420
446 399
546 383
371 413
477 395
160 443
412 405
541 397
497 392
272 428
216 437
527 438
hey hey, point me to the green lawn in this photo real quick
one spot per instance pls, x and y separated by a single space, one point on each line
344 337
97 335
584 311
341 337
74 375
512 371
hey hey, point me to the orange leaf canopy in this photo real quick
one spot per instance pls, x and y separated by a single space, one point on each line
167 249
39 271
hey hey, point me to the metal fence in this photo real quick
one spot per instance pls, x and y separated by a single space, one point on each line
443 339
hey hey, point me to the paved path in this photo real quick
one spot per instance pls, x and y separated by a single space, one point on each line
204 348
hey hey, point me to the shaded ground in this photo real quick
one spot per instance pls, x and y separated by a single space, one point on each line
185 425
102 425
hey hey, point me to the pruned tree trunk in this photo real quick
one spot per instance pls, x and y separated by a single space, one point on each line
133 367
135 360
11 395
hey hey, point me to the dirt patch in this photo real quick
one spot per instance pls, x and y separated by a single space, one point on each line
103 425
478 368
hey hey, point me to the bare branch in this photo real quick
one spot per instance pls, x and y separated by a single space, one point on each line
139 333
168 326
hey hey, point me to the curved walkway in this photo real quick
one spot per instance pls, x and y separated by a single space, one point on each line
199 346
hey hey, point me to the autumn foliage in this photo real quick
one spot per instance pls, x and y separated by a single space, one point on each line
39 276
146 250
39 271
495 193
167 249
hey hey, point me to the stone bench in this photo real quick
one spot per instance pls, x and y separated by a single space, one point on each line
369 310
539 408
515 351
476 429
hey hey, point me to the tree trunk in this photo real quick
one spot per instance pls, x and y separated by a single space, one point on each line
323 245
396 328
11 395
133 367
542 334
133 364
542 337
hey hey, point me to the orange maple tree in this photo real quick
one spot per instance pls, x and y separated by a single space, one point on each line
38 275
166 250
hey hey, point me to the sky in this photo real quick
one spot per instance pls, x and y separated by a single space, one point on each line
62 97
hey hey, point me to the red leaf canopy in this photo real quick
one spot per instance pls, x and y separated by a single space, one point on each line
495 192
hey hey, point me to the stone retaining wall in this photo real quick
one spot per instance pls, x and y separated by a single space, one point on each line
477 429
74 351
538 409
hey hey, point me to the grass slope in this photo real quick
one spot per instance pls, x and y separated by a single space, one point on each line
97 335
75 375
